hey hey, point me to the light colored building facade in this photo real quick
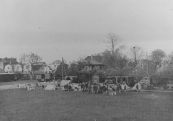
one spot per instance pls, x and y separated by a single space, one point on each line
54 65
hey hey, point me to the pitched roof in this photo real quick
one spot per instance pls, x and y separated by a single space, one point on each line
39 63
91 61
88 58
131 64
9 60
38 72
37 67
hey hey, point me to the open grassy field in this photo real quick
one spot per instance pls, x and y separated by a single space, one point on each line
40 105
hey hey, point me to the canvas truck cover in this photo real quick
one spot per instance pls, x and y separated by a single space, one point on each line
64 82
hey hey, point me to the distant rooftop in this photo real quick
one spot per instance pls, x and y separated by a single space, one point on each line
39 63
91 60
38 72
9 60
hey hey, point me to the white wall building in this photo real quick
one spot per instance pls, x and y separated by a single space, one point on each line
54 64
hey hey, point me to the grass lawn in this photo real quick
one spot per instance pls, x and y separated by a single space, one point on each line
40 105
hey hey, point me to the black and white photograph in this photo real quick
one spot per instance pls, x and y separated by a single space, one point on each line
86 60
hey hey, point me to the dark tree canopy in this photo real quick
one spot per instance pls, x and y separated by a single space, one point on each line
157 56
62 69
171 58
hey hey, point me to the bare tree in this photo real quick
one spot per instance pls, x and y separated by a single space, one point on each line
113 42
30 58
23 58
136 53
34 58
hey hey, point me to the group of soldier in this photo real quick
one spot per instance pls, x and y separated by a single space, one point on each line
94 88
106 89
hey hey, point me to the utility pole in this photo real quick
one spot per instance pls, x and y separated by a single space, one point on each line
135 55
55 73
62 67
147 65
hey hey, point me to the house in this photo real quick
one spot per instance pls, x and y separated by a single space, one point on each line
5 61
92 64
27 68
54 64
2 65
38 67
18 68
38 70
7 68
8 61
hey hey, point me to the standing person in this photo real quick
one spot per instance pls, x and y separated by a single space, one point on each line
114 88
118 88
107 89
125 87
95 88
86 86
42 86
82 86
68 87
103 89
122 87
137 87
111 90
89 88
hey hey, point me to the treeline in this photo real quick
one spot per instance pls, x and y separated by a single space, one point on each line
137 63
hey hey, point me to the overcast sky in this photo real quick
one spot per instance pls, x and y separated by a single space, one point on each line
71 28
